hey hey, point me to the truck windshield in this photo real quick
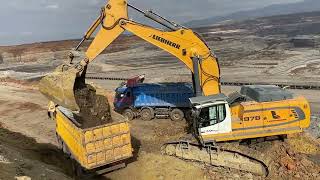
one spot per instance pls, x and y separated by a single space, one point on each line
212 115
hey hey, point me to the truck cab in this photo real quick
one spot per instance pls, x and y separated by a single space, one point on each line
123 99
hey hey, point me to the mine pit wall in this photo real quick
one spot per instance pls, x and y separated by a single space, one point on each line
17 57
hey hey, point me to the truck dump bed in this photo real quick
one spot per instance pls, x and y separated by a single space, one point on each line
162 95
97 146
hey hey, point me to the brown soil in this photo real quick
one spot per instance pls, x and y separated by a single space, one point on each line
25 157
26 84
21 106
94 108
30 106
293 163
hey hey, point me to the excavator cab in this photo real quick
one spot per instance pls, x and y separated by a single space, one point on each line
211 114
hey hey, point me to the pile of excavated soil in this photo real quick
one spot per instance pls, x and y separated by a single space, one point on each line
296 158
94 107
292 163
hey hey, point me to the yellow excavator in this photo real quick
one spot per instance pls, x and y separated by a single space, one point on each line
254 112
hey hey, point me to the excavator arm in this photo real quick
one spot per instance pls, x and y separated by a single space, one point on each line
188 48
179 41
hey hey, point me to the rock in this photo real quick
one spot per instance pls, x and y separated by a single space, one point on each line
290 152
306 163
160 177
236 176
291 166
22 178
4 160
248 176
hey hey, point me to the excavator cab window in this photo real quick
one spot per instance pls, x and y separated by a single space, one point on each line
212 115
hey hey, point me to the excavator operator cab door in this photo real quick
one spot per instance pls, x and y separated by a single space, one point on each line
214 118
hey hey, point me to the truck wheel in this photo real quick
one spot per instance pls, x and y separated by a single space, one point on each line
147 114
188 115
128 113
176 115
65 150
59 141
78 171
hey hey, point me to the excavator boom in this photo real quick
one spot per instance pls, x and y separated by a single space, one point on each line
179 41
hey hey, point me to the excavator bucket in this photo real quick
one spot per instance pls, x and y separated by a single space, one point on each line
59 87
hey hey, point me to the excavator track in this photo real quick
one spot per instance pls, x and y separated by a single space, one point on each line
228 155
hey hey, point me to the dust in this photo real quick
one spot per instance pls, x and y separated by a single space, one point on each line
94 108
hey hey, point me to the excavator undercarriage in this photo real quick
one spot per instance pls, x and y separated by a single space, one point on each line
228 155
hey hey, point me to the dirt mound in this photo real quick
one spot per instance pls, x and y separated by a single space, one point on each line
294 158
23 156
304 144
296 163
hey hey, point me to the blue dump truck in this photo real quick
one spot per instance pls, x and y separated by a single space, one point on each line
159 100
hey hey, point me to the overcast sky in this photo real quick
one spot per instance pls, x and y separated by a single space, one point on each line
27 21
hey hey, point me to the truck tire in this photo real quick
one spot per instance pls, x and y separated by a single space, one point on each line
59 142
78 172
65 150
188 115
147 114
176 115
129 114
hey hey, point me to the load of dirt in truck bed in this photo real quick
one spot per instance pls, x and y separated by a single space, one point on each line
94 107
